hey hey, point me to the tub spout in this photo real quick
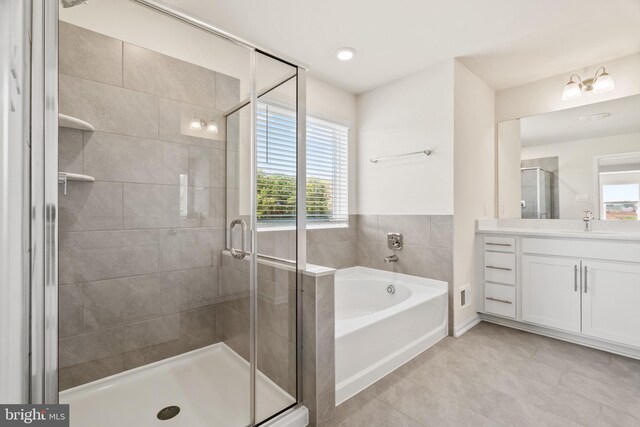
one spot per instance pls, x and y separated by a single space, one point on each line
391 258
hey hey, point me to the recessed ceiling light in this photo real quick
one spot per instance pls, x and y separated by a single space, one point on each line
592 117
346 53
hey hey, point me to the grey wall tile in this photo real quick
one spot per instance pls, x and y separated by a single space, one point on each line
175 118
91 206
335 255
70 150
442 231
273 357
70 310
87 347
175 162
206 167
89 55
372 254
232 281
143 206
190 248
109 108
367 227
434 263
108 239
152 72
151 332
198 328
227 91
233 330
196 287
416 229
118 302
92 370
112 157
94 256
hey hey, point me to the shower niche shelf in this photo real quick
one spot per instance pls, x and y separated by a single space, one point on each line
74 123
65 177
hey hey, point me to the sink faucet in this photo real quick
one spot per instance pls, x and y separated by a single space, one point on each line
391 258
588 217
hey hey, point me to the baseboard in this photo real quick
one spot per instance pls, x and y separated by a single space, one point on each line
459 330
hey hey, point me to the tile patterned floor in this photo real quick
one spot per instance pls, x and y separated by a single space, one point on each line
497 376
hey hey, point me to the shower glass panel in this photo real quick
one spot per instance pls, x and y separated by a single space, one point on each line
172 301
536 200
272 301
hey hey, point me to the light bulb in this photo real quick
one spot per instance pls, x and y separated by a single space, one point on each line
346 53
195 124
212 127
571 91
604 83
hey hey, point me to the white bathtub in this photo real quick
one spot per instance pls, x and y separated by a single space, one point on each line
376 331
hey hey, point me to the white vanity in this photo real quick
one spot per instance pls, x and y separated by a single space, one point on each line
574 285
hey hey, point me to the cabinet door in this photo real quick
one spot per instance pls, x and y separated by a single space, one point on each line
551 292
611 301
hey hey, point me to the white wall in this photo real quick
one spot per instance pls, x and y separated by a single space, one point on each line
474 175
411 114
577 168
544 95
508 167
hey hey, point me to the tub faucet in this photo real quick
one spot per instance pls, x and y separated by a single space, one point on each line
391 258
588 217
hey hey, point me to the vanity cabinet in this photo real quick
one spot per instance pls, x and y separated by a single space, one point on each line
611 301
551 292
586 290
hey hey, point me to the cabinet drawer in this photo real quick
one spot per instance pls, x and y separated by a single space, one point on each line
500 267
500 244
500 299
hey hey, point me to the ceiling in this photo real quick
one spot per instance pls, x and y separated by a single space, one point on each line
505 42
565 125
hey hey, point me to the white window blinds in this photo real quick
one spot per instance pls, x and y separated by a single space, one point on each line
326 168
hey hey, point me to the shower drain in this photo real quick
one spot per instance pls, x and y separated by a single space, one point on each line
168 412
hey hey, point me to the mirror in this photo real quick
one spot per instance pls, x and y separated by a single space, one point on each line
558 165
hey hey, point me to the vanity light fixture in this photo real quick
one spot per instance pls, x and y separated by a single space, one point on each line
346 53
600 83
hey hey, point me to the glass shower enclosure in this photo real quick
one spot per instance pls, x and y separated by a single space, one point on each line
165 290
536 194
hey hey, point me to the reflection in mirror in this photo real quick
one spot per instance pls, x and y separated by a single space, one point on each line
558 165
619 186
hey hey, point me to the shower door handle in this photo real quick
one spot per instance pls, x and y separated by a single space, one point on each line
238 253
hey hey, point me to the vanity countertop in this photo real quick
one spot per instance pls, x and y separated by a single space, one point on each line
577 234
560 228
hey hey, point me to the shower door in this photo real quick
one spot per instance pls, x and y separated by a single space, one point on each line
260 269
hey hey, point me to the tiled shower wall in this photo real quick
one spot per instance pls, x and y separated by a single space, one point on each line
138 279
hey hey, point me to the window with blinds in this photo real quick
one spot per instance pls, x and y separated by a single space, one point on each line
326 168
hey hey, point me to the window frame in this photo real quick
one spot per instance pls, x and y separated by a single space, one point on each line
325 224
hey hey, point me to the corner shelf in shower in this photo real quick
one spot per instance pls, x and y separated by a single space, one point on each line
74 123
64 177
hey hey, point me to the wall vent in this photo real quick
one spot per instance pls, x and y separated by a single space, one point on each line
465 296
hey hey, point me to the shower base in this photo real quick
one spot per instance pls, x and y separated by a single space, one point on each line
209 385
